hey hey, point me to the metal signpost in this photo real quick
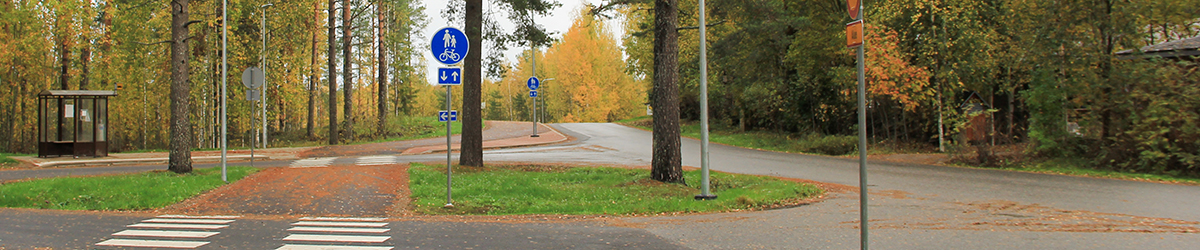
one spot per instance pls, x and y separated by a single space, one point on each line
224 85
253 78
450 47
854 39
704 179
533 84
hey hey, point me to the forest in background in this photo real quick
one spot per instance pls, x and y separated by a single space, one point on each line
1044 72
124 46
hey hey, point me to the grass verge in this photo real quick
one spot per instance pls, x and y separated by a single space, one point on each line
139 191
1082 167
5 161
507 190
764 140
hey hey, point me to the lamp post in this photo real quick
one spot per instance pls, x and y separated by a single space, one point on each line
263 101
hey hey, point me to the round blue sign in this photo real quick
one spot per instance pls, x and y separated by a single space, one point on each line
449 45
533 83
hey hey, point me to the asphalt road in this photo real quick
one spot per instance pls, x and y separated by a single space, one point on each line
912 207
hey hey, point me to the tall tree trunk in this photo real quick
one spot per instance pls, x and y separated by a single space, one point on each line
64 59
472 121
85 56
331 71
347 77
665 165
312 78
181 129
382 83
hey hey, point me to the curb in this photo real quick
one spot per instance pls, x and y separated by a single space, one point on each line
144 160
433 149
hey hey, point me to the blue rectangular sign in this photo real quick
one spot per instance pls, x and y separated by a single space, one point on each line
533 93
443 116
449 76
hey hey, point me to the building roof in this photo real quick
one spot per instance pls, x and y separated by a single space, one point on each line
78 93
1171 49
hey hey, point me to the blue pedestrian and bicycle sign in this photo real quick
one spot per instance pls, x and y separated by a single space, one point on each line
449 76
447 116
533 83
449 45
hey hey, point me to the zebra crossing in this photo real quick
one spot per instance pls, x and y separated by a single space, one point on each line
169 231
313 162
375 160
336 233
360 161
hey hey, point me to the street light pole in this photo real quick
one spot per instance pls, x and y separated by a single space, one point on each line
263 101
704 178
224 85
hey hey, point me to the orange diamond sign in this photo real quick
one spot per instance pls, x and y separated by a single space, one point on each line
854 34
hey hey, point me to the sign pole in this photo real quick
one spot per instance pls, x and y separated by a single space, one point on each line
704 178
533 61
224 85
449 203
862 139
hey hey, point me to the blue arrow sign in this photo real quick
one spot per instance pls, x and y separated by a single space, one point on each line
450 76
449 45
533 93
533 83
443 115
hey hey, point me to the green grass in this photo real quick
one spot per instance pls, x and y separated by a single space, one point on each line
1081 167
140 191
765 140
5 160
414 128
502 190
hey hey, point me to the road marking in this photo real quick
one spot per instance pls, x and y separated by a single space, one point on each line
340 229
328 247
184 221
152 243
339 224
343 219
167 234
177 226
218 217
313 162
375 160
337 238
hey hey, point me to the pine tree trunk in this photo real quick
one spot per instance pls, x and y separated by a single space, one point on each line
472 120
666 163
331 69
382 82
312 78
180 160
85 56
347 77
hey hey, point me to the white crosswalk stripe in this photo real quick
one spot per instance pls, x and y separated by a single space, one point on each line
313 162
375 160
197 229
338 233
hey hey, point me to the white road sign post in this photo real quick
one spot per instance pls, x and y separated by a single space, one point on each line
449 46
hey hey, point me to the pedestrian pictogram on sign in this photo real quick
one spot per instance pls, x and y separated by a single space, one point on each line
449 45
854 34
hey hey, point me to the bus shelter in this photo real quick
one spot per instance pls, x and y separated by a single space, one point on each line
73 122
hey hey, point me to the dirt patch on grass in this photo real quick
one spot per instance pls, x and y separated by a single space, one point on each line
325 191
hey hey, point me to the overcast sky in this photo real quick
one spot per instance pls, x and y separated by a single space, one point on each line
557 22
